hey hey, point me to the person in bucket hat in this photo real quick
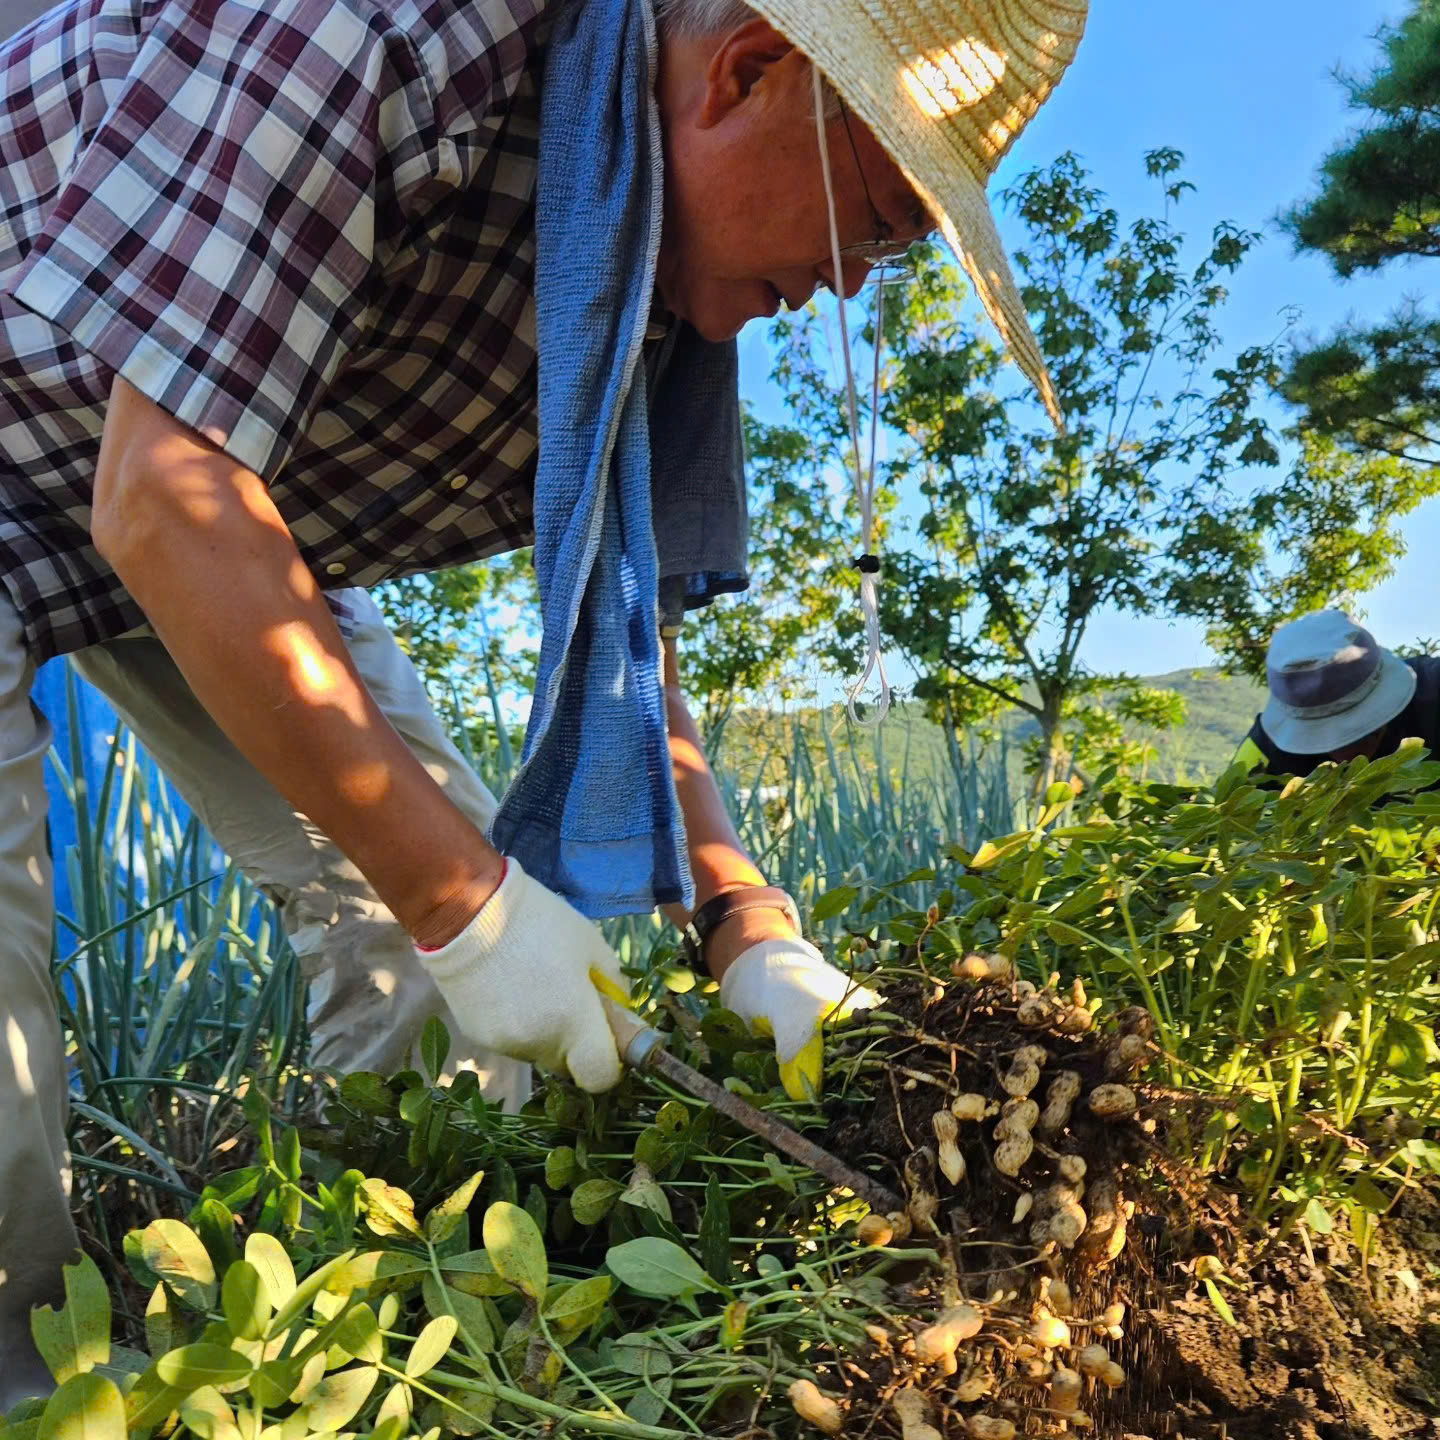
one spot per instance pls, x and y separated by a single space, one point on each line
1335 694
301 296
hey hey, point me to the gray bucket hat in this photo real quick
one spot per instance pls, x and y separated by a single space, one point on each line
1331 684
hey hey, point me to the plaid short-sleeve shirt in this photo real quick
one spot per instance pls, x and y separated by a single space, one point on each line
304 228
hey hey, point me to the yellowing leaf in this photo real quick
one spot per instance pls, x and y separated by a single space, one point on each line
446 1218
206 1412
388 1209
337 1399
85 1407
174 1252
272 1265
576 1308
431 1346
76 1337
516 1248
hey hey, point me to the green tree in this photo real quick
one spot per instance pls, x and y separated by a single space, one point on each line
1025 538
472 633
1376 388
754 648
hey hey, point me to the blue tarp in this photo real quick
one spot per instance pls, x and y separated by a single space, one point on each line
97 722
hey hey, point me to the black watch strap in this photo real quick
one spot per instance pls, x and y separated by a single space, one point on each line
716 911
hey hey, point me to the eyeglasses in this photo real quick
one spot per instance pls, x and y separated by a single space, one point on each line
884 250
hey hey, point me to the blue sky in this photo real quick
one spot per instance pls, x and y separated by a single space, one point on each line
1246 89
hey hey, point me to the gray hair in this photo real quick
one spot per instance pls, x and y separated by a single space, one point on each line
702 17
697 18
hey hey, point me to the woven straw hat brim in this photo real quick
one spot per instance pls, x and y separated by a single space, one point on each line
946 86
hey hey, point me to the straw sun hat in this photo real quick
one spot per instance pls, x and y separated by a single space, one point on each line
946 86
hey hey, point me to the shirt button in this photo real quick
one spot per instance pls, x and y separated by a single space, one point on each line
459 482
335 567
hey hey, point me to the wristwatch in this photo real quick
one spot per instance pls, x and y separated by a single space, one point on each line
716 911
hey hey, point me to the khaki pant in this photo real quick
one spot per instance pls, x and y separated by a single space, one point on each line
369 996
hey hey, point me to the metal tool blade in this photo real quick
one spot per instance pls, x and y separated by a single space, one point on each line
643 1048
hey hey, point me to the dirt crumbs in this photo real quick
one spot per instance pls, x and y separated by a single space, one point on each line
1326 1345
1032 1154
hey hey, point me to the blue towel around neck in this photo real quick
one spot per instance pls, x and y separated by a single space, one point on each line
592 812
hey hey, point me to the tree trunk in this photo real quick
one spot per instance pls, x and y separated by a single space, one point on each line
1053 751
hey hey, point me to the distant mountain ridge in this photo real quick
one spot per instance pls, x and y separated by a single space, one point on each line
1220 710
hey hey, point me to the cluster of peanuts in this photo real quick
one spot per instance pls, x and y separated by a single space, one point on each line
1051 1353
1058 1353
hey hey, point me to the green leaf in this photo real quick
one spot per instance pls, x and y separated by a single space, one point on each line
446 1218
192 1366
287 1153
149 1404
236 1188
537 1208
644 1193
369 1094
469 1310
388 1209
431 1346
172 1250
592 1201
780 1173
640 1353
475 1274
207 1413
1318 1218
672 1119
276 1381
242 1297
75 1338
656 1267
392 1419
1221 1304
337 1399
576 1308
994 851
833 902
714 1237
272 1267
85 1407
161 1330
214 1222
560 1167
678 979
1369 1196
647 1407
379 1272
359 1335
516 1248
307 1290
434 1047
1408 1049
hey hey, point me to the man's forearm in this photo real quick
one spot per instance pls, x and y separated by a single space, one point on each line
197 540
718 860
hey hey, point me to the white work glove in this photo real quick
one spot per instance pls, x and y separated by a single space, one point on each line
518 979
786 989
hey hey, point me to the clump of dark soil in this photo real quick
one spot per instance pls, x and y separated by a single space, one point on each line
1322 1344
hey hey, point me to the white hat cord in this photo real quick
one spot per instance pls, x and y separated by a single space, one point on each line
868 562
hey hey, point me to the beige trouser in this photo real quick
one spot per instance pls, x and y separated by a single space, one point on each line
369 996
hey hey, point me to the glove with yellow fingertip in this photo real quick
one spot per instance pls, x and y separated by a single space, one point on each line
786 989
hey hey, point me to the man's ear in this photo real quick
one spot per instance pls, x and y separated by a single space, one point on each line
743 61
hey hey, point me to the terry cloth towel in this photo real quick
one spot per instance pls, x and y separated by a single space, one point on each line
592 812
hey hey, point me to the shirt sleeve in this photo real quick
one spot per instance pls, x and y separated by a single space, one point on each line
217 240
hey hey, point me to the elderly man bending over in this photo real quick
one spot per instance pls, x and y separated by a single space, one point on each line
300 296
